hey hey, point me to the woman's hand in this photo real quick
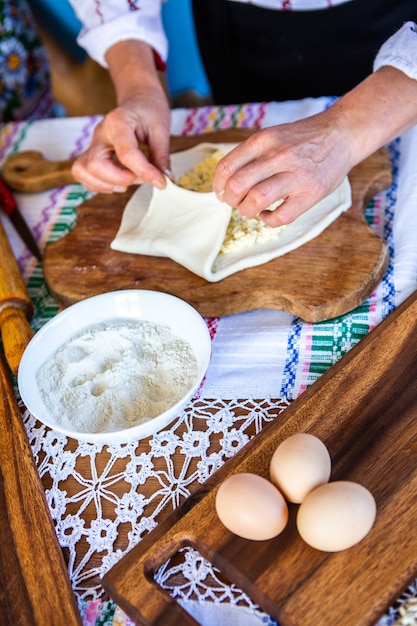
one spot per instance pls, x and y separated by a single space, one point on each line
115 159
303 161
299 163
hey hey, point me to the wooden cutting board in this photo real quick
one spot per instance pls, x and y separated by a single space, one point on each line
365 410
326 277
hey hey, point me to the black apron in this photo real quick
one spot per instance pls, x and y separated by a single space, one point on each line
252 54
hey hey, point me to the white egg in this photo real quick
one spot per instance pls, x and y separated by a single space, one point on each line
300 464
251 507
336 516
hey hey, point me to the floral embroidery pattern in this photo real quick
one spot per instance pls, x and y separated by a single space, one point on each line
24 77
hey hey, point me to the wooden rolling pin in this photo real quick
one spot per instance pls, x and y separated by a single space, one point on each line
34 584
16 307
30 171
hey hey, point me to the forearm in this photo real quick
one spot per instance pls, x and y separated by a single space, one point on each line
377 111
384 105
142 118
304 161
133 70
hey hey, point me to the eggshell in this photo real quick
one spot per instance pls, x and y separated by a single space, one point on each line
300 464
336 516
251 507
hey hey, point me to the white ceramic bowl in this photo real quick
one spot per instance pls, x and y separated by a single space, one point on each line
152 306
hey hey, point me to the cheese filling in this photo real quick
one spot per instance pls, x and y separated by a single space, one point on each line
241 232
190 228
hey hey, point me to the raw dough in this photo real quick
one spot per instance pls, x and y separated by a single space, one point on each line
189 227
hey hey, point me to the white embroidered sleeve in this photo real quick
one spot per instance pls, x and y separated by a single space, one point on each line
105 23
400 51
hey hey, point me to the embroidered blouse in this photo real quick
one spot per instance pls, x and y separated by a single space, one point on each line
108 22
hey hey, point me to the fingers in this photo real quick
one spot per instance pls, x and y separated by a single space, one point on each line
146 169
98 172
241 169
114 159
251 177
278 201
297 163
287 212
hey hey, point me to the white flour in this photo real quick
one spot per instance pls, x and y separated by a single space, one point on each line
115 375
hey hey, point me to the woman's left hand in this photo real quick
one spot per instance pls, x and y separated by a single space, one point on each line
302 162
299 162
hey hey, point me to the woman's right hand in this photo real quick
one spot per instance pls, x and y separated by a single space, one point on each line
130 145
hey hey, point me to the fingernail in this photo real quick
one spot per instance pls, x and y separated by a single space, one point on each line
274 205
170 175
158 184
119 189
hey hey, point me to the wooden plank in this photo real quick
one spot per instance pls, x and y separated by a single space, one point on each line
328 276
365 410
34 583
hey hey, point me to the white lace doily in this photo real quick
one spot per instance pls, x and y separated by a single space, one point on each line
104 499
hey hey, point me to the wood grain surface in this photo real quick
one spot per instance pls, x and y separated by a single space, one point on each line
364 409
30 171
34 584
16 307
328 276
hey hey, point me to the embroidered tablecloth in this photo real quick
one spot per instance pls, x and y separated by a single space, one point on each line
103 500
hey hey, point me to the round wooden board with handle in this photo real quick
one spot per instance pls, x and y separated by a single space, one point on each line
329 276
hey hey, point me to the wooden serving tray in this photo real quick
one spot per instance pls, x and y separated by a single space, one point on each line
365 410
328 276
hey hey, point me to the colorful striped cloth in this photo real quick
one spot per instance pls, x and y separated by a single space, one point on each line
293 353
259 354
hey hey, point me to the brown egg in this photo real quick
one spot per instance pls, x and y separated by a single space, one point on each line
300 464
251 507
336 516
